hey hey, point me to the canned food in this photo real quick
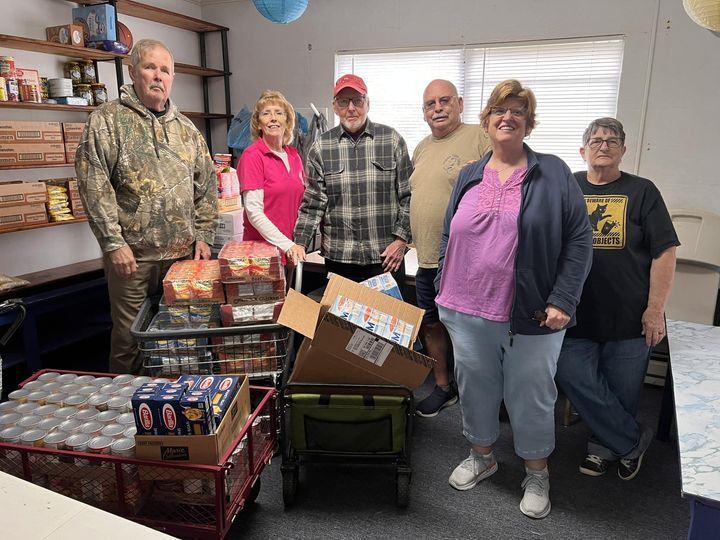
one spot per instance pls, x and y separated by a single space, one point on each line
3 89
109 389
83 91
46 411
25 408
7 66
19 395
28 422
87 390
56 440
139 381
49 424
78 401
123 447
127 418
65 413
99 401
11 434
10 419
60 88
72 71
107 417
38 396
102 381
65 378
71 425
7 406
30 93
13 89
119 403
130 432
52 387
127 391
113 430
123 380
84 379
34 385
86 415
34 437
78 442
87 72
100 445
92 428
48 376
70 388
56 399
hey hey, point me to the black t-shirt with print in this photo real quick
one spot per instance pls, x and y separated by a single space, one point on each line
631 226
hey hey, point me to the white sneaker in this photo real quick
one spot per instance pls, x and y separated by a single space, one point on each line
472 470
536 500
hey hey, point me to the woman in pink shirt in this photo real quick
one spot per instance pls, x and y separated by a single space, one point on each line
272 178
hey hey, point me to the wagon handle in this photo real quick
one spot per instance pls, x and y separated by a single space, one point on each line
7 306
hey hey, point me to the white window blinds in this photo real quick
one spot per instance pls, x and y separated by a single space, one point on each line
574 82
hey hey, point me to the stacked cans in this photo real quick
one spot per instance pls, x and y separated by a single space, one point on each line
60 87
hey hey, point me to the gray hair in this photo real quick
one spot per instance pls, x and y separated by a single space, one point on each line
611 124
145 45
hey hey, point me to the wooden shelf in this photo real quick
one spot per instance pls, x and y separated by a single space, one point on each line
44 166
42 225
190 69
209 116
163 16
48 106
42 46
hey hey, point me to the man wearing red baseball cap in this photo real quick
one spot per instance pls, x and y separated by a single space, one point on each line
358 191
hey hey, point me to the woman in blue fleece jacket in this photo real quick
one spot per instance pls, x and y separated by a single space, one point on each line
515 252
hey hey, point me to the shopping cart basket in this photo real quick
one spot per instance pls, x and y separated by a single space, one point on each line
347 423
260 351
184 500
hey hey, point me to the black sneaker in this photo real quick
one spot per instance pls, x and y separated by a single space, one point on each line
629 467
436 402
594 465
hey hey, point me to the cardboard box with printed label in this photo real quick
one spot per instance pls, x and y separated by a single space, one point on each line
228 204
72 131
15 193
31 154
98 22
16 131
24 214
337 351
199 449
70 150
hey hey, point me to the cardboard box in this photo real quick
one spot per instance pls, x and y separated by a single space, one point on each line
24 214
31 154
66 34
336 351
16 131
98 22
228 204
70 150
72 131
27 76
230 223
200 449
14 193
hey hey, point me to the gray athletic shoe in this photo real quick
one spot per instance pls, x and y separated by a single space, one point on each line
536 500
472 470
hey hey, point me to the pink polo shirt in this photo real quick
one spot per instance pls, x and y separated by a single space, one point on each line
478 273
283 191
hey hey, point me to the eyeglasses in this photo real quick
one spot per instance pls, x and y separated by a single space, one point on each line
612 142
444 101
343 103
515 112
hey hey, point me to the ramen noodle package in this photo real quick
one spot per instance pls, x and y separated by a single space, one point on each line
250 261
193 282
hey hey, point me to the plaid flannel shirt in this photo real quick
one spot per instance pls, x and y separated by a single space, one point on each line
358 193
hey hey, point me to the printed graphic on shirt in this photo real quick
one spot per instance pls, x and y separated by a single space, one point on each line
607 215
451 164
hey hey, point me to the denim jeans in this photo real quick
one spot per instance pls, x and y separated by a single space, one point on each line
603 380
492 366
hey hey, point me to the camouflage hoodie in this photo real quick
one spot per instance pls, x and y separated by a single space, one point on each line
145 181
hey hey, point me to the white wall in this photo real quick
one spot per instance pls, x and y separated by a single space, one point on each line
667 101
29 251
668 93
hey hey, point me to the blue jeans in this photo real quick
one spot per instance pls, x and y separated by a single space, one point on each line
491 366
603 380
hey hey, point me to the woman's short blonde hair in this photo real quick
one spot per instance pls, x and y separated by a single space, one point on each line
273 97
511 89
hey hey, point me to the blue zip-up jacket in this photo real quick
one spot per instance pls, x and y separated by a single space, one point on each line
554 252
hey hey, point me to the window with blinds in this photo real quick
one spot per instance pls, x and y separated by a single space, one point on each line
574 82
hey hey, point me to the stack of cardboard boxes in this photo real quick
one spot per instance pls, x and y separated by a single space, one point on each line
22 203
38 143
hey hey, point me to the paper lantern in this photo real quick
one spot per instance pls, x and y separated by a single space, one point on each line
281 11
706 13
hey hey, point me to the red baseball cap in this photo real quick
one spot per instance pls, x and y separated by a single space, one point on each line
350 81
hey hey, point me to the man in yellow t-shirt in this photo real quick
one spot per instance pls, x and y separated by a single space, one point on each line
437 161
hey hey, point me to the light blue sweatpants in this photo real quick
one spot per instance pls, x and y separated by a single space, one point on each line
490 366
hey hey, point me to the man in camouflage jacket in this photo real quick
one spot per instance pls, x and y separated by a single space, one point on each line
148 185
